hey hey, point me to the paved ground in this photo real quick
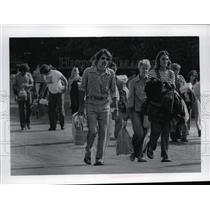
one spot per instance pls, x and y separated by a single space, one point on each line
40 152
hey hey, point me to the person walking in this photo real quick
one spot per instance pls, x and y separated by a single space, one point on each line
136 98
122 103
57 84
74 81
98 85
162 78
178 127
22 86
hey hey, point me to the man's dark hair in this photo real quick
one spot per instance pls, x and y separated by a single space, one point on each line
96 57
44 69
24 67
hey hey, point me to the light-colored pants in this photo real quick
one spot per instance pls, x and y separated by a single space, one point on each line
137 119
97 118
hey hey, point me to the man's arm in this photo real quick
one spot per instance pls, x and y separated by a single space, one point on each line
113 91
65 81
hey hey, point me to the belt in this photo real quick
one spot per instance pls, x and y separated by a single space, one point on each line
100 98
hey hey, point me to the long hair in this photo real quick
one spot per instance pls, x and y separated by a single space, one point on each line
193 72
157 59
96 57
72 73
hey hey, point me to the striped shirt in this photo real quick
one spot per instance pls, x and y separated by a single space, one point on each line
165 76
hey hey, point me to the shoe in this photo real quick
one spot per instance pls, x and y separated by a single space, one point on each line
87 160
51 129
132 157
175 141
29 127
141 160
98 163
165 160
150 153
184 139
62 127
199 133
23 128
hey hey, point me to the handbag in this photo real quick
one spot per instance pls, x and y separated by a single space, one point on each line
124 142
79 129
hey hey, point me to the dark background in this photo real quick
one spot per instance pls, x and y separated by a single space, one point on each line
34 51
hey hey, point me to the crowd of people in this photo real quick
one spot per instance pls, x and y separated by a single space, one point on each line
158 100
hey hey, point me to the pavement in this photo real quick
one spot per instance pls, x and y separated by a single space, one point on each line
41 152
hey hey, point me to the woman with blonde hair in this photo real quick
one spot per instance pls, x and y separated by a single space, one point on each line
136 99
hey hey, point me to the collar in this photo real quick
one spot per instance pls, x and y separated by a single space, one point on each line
139 78
94 70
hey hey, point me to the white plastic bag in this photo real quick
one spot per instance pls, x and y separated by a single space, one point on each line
79 129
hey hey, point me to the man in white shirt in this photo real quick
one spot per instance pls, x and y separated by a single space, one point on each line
57 84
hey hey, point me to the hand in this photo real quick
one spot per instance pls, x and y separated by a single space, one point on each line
126 117
81 110
115 114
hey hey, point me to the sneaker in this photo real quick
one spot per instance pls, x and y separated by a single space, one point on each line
98 163
199 133
141 160
150 153
165 160
184 139
132 157
87 160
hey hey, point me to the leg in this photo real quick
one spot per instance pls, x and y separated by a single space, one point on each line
138 134
155 134
183 130
61 110
165 130
102 118
21 105
118 125
28 113
92 131
73 104
197 116
52 110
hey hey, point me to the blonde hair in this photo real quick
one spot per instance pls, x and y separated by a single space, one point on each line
144 62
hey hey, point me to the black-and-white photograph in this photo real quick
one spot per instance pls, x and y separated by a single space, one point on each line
104 105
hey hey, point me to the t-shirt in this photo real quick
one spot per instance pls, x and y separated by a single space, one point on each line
53 80
19 80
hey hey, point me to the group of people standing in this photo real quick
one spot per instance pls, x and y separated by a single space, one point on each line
157 100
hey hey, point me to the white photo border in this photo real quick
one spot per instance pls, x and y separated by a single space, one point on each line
13 31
